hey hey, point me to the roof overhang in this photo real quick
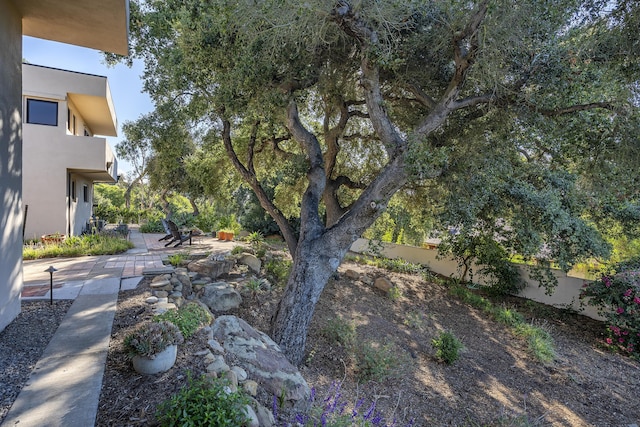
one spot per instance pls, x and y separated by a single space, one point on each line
96 24
97 112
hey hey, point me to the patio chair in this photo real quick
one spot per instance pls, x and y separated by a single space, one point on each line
176 235
167 230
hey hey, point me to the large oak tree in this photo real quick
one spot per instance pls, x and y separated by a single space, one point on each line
509 117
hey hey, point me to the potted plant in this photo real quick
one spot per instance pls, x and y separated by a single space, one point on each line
153 347
221 235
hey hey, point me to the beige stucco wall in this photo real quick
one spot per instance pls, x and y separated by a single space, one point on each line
565 295
56 157
53 160
10 163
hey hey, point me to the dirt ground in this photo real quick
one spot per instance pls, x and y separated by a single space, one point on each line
495 381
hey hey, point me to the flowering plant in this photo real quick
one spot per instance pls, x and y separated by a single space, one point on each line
616 294
152 338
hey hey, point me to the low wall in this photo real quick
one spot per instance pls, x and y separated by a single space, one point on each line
565 295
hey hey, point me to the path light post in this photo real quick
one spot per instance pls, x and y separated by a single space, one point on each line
50 270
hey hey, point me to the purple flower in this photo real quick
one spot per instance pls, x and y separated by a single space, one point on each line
636 300
628 292
369 412
606 281
620 310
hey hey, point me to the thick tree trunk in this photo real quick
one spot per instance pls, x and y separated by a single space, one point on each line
314 264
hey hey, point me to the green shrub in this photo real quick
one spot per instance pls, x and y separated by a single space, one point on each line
204 402
339 330
447 347
539 341
374 362
395 293
154 226
616 294
176 259
508 316
188 318
237 250
278 270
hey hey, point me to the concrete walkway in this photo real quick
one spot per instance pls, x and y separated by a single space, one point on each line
64 387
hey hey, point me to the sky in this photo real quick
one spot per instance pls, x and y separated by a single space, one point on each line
125 83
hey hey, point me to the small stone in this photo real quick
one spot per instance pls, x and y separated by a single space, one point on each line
176 294
383 284
265 416
203 353
209 357
251 387
366 280
161 284
161 294
212 374
218 365
215 346
178 288
252 418
233 379
163 300
352 274
160 308
151 300
240 373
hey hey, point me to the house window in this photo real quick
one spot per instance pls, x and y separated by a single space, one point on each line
41 112
85 193
73 131
73 191
69 119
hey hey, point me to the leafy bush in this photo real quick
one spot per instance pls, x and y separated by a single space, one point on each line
447 347
278 270
188 318
204 402
237 250
154 226
374 362
339 330
152 338
616 294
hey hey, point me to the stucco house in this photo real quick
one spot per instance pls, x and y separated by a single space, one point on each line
61 156
97 24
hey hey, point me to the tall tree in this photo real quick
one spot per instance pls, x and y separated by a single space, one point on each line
500 108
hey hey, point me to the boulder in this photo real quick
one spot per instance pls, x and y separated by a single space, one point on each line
265 416
252 418
251 261
257 354
221 296
211 267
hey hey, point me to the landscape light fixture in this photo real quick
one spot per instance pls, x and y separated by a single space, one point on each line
50 270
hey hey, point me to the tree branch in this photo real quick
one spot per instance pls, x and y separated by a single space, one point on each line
252 180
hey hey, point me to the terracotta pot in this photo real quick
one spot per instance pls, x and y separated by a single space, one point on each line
228 236
162 362
221 235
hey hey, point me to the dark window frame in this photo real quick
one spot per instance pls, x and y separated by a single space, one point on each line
31 103
85 193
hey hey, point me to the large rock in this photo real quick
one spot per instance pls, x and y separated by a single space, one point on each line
261 358
251 261
211 267
221 296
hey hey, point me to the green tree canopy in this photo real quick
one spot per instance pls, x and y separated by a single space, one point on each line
513 117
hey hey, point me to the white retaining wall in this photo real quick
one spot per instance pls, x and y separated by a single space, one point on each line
565 295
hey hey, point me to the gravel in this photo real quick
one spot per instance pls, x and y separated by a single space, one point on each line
22 343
